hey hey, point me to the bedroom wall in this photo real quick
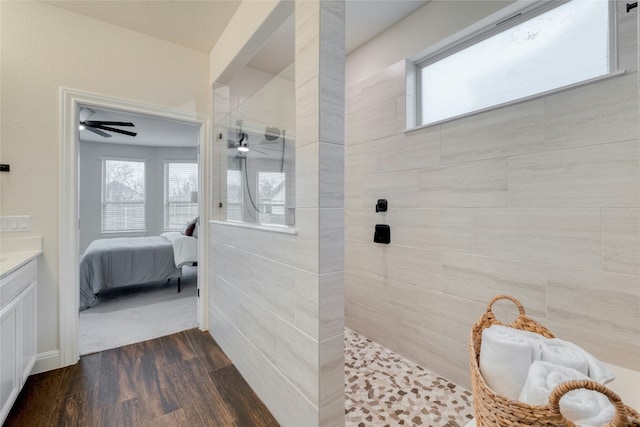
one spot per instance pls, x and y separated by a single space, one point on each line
91 154
43 48
538 200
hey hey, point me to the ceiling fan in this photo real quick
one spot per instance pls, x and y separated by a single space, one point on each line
99 126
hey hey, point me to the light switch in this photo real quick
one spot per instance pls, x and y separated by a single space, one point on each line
4 224
13 223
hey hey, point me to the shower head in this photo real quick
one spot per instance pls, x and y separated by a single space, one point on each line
272 133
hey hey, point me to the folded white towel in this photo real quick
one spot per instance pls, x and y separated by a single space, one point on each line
505 357
585 408
568 354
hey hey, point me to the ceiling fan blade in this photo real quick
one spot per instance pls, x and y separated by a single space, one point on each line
97 131
258 151
85 113
102 122
110 129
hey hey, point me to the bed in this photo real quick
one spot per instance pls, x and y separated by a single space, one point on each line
125 261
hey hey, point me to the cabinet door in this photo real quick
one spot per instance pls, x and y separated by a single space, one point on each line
9 383
28 312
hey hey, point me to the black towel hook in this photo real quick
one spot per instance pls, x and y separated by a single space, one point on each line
631 6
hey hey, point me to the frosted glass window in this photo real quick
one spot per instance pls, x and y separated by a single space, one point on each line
560 47
181 179
123 195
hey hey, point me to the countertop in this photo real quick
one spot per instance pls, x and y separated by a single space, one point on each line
11 261
16 252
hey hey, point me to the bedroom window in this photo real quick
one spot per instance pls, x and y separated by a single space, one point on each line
123 195
521 54
181 194
234 195
271 198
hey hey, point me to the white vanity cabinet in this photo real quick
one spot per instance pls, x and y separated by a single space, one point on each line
18 299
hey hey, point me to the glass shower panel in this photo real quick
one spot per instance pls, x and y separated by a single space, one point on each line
256 143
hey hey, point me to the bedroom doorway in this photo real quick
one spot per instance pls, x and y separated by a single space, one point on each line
140 311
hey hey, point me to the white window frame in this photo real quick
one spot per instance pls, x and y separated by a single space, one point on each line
102 196
166 190
261 204
502 20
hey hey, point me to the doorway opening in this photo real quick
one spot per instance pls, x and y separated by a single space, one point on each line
77 184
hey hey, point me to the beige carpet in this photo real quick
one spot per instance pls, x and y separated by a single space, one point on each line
138 313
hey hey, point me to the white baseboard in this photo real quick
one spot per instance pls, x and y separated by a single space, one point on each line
47 361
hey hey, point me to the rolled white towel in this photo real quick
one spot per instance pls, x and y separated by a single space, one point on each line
585 408
568 354
505 356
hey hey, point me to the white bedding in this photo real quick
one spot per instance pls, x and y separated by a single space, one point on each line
185 248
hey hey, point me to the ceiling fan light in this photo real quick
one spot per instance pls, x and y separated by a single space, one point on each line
243 149
81 126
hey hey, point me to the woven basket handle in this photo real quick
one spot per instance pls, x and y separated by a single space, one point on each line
620 417
510 298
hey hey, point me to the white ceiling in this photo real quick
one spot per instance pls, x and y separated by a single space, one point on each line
198 25
151 131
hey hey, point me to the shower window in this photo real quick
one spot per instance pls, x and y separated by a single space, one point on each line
551 45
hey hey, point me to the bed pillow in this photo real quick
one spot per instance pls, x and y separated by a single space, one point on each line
188 228
195 230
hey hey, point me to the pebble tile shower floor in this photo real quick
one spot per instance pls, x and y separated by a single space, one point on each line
386 389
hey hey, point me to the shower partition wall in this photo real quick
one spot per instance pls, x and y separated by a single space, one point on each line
256 142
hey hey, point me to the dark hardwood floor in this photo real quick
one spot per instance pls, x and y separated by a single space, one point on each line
182 379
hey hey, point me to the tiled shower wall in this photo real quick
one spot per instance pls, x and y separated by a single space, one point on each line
539 200
276 298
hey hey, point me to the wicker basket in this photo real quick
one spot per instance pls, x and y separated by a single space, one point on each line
494 410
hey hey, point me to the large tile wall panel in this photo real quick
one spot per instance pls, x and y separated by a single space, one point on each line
480 279
465 185
440 229
593 114
602 303
621 240
606 175
553 236
402 152
416 266
377 122
508 131
538 200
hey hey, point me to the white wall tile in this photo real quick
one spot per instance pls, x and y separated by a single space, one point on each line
474 184
331 116
598 302
331 299
332 369
414 150
439 353
597 113
417 266
331 180
621 240
605 175
376 122
386 85
360 223
331 250
480 279
307 176
508 131
297 357
439 229
308 303
307 114
568 237
399 188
